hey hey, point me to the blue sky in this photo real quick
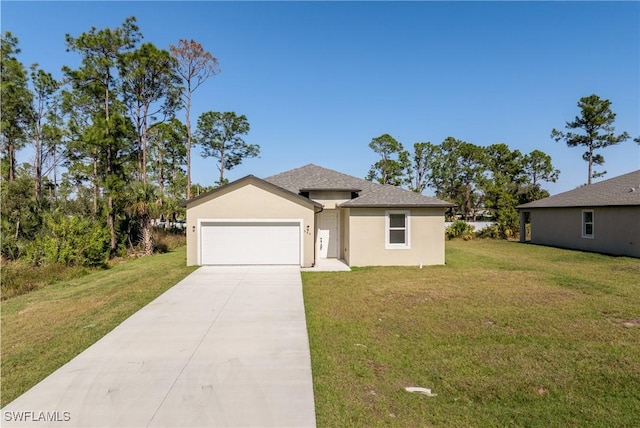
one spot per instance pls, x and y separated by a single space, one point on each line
319 80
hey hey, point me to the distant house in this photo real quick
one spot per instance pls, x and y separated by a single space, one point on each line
603 217
311 213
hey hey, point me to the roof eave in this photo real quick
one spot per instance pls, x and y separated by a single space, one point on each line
330 189
525 207
347 205
250 177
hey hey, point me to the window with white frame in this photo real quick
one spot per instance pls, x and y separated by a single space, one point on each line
587 223
397 230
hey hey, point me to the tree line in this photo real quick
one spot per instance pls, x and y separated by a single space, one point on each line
109 151
494 179
481 181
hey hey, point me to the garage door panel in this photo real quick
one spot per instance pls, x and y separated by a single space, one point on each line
230 243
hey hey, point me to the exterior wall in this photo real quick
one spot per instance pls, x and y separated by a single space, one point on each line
249 201
366 245
616 230
329 198
344 232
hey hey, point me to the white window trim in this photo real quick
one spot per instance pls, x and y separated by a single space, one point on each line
583 223
407 244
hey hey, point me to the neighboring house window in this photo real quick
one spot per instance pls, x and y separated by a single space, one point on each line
587 223
397 230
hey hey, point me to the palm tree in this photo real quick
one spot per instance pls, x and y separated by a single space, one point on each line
142 205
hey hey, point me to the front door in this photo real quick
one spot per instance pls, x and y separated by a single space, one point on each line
328 234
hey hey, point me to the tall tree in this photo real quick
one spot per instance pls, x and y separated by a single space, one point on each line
45 131
502 185
596 121
195 66
81 158
424 155
94 84
15 103
150 88
392 167
537 167
471 160
457 171
168 154
220 135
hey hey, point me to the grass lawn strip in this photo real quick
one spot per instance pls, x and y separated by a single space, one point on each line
504 334
44 329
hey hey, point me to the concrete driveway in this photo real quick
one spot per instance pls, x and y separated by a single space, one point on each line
225 347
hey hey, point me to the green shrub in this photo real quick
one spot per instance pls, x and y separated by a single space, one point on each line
459 228
70 240
9 248
168 240
492 232
508 222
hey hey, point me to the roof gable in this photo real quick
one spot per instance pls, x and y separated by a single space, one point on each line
623 190
249 179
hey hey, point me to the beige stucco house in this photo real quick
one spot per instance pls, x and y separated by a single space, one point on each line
603 217
311 213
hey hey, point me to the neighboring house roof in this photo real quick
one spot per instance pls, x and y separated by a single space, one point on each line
623 190
267 184
312 177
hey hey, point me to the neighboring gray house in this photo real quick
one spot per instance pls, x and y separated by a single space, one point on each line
603 217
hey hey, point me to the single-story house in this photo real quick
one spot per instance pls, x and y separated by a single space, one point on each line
603 217
310 213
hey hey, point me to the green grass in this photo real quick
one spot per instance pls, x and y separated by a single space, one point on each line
20 277
47 327
505 334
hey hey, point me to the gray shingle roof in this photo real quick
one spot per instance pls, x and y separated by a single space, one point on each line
391 196
623 190
313 177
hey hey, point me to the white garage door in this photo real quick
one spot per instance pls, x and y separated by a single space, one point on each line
250 243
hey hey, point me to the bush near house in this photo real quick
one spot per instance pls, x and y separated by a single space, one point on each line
459 228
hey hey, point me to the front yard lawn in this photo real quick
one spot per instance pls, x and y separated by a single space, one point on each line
506 334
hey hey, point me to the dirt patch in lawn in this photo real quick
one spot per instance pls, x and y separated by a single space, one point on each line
635 322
